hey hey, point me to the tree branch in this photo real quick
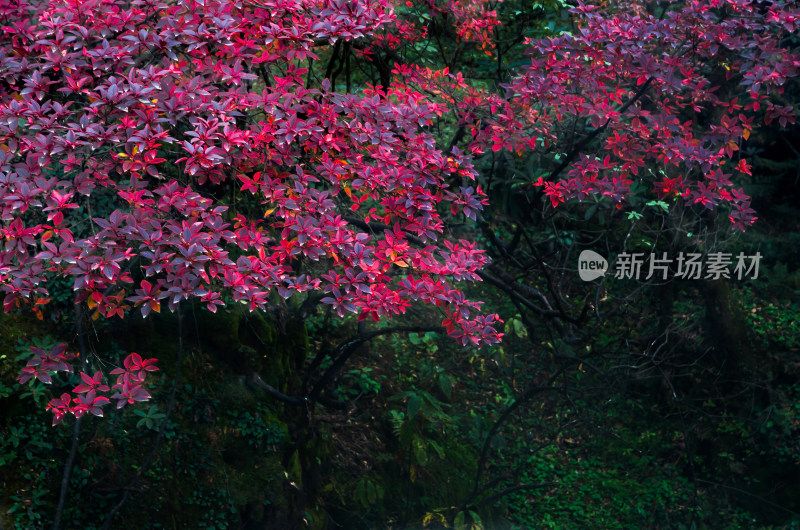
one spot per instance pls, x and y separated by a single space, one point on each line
132 484
589 137
274 392
348 347
527 395
76 428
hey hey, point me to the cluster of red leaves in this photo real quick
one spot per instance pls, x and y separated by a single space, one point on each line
152 103
108 95
156 106
129 386
666 94
473 20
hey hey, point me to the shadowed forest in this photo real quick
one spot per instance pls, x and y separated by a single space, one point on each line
358 389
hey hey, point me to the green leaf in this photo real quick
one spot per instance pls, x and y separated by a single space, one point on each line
414 403
420 455
436 447
634 215
661 204
446 385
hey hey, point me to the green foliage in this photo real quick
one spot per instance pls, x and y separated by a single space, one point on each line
357 382
26 446
150 419
255 427
776 323
369 492
467 520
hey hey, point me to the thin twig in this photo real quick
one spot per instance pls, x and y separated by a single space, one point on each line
76 428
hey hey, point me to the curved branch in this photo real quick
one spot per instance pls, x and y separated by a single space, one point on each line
348 347
274 392
527 395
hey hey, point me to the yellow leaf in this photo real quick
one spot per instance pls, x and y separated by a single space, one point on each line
401 263
269 212
746 134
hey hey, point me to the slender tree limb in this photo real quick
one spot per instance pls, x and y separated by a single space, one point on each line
133 483
348 347
457 137
76 428
274 392
333 59
521 400
341 64
343 352
513 292
591 136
